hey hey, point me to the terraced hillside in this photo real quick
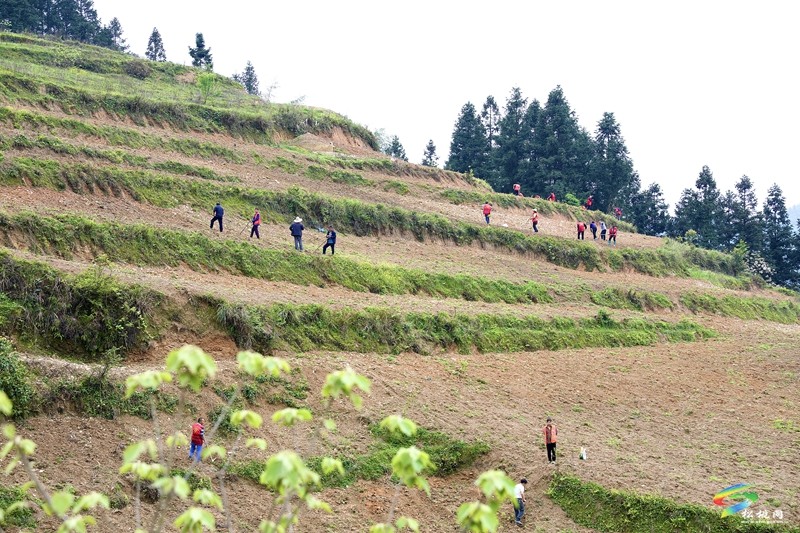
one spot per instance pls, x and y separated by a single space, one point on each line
676 372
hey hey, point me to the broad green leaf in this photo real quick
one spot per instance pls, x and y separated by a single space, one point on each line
76 524
496 485
173 485
477 517
405 522
344 383
5 404
330 465
408 464
396 424
194 520
177 440
382 528
9 431
315 503
329 424
261 444
286 473
136 449
251 418
60 502
256 364
214 450
290 416
192 366
207 497
144 471
90 501
150 379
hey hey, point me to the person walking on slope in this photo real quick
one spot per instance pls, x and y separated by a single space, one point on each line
550 437
198 439
218 213
535 221
517 188
487 211
330 241
519 495
256 222
297 232
581 230
612 236
602 230
552 197
618 213
589 202
593 227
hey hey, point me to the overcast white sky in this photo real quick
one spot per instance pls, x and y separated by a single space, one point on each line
691 83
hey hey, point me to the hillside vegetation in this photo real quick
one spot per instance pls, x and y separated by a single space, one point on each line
672 365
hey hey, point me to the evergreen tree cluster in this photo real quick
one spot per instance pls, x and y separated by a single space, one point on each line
68 19
544 149
733 222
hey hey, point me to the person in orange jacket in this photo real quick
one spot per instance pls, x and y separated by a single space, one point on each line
550 433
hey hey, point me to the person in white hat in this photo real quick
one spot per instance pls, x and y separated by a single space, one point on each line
297 232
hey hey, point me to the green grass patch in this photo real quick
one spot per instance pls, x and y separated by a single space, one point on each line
314 327
115 135
196 481
143 245
55 145
397 187
594 506
86 315
747 308
448 455
22 518
16 381
640 300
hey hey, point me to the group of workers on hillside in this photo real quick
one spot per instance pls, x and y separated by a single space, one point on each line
581 226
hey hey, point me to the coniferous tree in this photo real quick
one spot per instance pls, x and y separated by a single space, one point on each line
563 149
429 158
248 79
395 149
22 15
155 47
115 33
490 118
745 217
778 237
508 155
468 148
699 210
648 211
201 56
528 165
611 170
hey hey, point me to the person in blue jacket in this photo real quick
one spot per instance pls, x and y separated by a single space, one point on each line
330 241
218 213
297 232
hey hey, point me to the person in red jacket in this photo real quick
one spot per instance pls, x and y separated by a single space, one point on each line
552 197
589 202
256 221
517 188
618 213
535 221
581 230
550 433
197 441
612 235
487 211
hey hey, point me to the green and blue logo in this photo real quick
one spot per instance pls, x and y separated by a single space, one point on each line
735 498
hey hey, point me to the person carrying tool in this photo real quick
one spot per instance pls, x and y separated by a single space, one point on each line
297 232
218 213
330 241
256 222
